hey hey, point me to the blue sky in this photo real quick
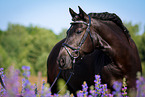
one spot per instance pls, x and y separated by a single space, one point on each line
54 14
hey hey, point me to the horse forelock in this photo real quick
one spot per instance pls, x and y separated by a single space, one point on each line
76 18
111 17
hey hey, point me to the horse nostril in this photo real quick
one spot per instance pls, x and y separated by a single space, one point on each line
62 62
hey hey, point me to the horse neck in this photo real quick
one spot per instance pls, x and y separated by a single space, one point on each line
111 38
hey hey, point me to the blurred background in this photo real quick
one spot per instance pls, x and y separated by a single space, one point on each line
30 28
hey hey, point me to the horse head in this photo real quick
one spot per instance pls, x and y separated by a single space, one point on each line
79 40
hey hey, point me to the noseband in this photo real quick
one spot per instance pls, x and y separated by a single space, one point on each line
76 51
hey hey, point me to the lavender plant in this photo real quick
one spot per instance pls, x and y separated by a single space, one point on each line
117 87
12 82
140 85
124 88
45 92
29 90
100 89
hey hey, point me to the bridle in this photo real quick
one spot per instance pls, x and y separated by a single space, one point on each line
76 51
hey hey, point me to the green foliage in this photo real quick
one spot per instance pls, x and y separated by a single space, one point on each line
26 46
62 34
134 31
143 68
139 40
61 88
142 47
4 58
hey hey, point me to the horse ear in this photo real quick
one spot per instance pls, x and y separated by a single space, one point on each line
73 14
82 14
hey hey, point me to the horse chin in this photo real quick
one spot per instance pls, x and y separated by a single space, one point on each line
67 67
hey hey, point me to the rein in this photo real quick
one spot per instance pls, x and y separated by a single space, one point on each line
2 83
55 79
58 77
66 82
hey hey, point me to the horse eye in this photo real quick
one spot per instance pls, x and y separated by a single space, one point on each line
78 32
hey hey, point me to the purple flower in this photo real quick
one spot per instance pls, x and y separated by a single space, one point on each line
85 88
56 95
45 92
140 85
92 92
104 90
1 69
97 79
80 94
12 83
36 89
124 89
27 89
26 67
110 95
117 86
98 89
26 73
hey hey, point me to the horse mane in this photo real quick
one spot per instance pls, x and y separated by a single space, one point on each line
111 17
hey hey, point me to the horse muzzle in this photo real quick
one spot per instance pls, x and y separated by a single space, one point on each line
64 60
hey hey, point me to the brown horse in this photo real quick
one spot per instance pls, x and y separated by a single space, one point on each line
106 32
84 69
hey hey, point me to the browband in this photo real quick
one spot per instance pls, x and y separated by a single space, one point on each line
78 22
82 22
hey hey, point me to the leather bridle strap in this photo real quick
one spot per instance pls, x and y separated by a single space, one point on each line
65 45
87 31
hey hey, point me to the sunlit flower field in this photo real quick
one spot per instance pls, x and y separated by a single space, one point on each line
31 90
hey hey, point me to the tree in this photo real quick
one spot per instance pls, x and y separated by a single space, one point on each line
62 34
26 46
142 47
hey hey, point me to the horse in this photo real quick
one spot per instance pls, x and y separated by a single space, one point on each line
106 32
84 69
